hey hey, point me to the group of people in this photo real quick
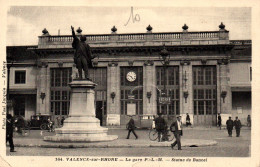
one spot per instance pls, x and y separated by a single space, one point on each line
162 129
230 124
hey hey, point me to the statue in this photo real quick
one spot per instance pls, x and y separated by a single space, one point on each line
82 56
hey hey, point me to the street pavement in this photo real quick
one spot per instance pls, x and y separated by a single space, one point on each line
197 141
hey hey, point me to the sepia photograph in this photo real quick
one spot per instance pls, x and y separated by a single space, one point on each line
127 85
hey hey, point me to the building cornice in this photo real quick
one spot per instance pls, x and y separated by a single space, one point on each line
146 49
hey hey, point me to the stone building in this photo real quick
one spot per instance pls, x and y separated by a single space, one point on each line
206 73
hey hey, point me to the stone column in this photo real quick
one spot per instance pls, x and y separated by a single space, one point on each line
42 88
82 125
225 91
113 89
186 90
149 106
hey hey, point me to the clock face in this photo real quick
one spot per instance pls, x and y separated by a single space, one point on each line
131 76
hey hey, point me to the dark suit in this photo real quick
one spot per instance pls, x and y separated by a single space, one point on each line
160 125
131 128
177 133
230 125
9 132
188 120
237 125
219 121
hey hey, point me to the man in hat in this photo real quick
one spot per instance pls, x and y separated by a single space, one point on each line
160 125
237 125
131 127
176 128
9 131
230 125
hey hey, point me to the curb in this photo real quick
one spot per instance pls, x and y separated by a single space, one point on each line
211 143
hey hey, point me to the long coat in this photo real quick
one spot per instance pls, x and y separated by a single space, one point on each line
131 124
9 127
81 49
237 124
230 124
160 123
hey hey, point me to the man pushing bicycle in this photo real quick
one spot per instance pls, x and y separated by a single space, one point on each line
160 125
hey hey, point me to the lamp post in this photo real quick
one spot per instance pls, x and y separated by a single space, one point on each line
165 59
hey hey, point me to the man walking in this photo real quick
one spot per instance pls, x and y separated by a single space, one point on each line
237 125
219 121
230 125
176 128
160 125
131 128
9 131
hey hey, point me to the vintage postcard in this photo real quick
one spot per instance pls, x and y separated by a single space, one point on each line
142 83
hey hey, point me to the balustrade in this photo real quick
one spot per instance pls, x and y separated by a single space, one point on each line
214 35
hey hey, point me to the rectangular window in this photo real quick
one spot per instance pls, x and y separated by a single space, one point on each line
201 107
171 78
99 76
20 77
60 90
208 107
204 90
195 107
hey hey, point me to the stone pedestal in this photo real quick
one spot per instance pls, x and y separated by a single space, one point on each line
82 125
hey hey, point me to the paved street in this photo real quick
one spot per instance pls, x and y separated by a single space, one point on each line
226 146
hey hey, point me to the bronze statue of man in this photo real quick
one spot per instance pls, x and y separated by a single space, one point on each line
82 55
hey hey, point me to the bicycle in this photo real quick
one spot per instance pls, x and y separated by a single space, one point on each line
153 134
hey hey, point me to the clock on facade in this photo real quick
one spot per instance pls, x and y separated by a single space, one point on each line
131 76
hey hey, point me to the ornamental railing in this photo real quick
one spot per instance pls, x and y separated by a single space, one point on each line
204 37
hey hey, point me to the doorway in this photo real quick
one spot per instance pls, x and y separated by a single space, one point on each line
99 109
19 107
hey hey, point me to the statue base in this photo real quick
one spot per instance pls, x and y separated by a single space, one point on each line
82 125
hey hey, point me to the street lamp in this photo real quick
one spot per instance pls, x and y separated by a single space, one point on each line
165 60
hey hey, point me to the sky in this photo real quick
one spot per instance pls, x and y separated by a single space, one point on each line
25 23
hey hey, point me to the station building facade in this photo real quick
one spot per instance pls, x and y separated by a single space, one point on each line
207 73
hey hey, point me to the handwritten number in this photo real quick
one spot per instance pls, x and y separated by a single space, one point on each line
137 17
134 18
